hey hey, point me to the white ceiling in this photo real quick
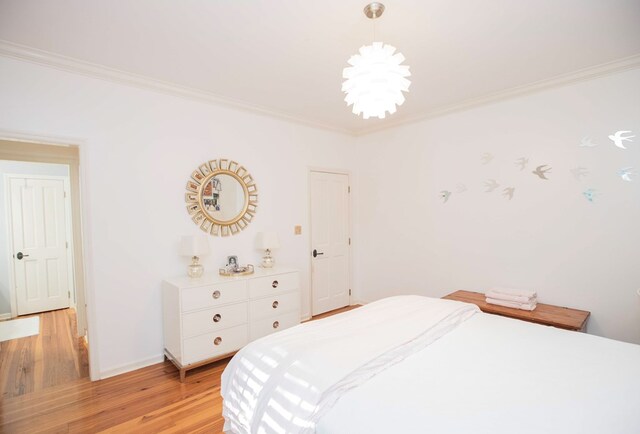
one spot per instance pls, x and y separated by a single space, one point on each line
288 56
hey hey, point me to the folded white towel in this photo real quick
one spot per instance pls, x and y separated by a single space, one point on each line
517 292
521 306
507 297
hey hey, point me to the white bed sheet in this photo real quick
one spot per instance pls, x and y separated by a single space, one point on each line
500 376
284 383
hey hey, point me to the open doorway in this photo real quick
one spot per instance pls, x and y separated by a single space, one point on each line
43 335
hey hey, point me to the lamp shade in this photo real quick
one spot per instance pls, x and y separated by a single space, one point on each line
376 80
267 240
193 246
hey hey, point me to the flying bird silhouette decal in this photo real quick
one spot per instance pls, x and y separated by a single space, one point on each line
522 162
541 171
625 173
486 158
587 143
580 172
508 192
444 195
618 139
491 185
589 194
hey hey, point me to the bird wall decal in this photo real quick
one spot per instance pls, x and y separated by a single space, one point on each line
522 162
486 158
589 194
461 188
587 143
491 185
541 171
445 195
508 192
579 172
625 173
618 139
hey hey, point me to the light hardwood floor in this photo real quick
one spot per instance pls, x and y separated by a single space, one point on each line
55 356
149 400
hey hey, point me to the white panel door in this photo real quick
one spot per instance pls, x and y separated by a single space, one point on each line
39 233
329 241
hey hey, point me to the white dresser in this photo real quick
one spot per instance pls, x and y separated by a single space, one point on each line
210 318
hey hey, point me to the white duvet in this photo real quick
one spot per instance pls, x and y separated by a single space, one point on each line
286 382
484 374
496 375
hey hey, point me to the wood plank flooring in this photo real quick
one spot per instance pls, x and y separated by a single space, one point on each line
55 356
148 400
334 312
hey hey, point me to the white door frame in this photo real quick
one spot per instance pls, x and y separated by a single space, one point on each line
13 295
84 273
310 170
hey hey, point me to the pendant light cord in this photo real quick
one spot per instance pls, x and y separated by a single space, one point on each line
374 26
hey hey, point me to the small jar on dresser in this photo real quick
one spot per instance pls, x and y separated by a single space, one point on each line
212 317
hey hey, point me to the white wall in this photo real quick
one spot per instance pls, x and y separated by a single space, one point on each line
549 237
140 149
16 168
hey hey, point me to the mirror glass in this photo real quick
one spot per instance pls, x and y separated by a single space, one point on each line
223 198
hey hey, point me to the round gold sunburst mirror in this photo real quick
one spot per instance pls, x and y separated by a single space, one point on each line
221 197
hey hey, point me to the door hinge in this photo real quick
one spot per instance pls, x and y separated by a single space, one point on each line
65 193
69 294
349 291
349 240
349 189
66 243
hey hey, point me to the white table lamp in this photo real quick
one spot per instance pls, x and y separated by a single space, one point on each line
194 247
267 241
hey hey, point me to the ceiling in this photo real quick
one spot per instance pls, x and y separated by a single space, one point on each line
287 56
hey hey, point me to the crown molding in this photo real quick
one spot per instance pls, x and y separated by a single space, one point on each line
93 70
590 73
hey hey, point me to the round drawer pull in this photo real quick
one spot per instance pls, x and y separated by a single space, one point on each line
217 341
216 294
275 304
217 317
276 324
275 284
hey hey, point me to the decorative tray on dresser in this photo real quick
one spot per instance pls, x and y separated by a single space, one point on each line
212 317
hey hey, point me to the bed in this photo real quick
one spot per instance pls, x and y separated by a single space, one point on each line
412 364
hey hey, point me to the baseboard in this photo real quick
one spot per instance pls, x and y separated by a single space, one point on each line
360 302
131 366
5 316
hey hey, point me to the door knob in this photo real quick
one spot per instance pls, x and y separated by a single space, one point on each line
316 253
20 255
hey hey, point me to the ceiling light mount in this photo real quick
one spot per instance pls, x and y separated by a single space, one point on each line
374 10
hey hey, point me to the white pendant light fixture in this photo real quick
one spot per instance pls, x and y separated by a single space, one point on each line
376 79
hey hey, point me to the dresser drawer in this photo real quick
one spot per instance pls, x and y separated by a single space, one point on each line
204 346
213 295
275 305
264 286
264 327
204 321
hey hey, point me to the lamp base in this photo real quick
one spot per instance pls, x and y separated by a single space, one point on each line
267 260
195 270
